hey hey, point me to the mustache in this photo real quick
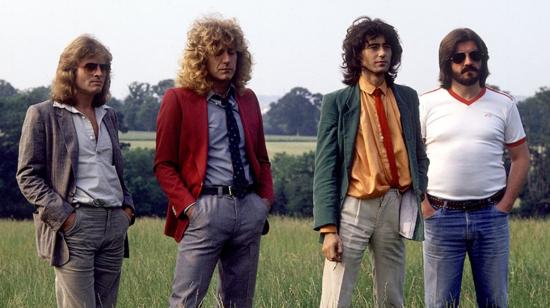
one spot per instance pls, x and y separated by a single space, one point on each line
469 68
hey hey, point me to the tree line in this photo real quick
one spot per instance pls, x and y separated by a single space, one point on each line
295 113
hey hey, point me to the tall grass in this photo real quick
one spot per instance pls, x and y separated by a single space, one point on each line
289 274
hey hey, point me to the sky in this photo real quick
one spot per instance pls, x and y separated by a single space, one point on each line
293 42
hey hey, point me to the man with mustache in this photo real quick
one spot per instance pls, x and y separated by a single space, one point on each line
212 163
466 127
70 169
370 169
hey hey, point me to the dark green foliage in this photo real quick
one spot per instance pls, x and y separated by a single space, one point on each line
138 175
296 113
293 184
14 106
535 113
141 106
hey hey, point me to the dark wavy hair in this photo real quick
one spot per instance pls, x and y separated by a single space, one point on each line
64 84
448 47
357 36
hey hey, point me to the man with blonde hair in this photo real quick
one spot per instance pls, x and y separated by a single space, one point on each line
70 169
212 163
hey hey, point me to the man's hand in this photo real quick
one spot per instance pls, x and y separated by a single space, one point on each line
503 206
427 209
332 247
69 222
267 203
129 212
189 212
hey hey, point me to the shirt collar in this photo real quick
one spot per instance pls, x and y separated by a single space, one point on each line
369 88
72 109
229 94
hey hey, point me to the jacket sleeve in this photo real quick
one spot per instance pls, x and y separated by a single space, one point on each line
167 163
325 183
127 199
421 156
32 173
265 180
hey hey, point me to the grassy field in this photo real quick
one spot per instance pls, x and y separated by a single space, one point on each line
289 274
294 145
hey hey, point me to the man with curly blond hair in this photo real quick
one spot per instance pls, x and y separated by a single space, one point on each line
70 169
212 163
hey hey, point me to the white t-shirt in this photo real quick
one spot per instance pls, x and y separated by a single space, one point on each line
465 142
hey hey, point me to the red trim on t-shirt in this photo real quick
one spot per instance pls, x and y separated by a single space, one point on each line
515 144
430 91
466 101
500 92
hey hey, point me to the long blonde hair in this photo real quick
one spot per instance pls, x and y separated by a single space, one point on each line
206 37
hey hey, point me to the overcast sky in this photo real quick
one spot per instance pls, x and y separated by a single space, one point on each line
293 42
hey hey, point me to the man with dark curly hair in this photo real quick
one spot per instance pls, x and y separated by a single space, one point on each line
370 169
212 163
70 169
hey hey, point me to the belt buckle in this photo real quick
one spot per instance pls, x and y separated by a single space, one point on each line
98 203
230 191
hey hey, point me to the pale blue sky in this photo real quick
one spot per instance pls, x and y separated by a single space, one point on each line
294 43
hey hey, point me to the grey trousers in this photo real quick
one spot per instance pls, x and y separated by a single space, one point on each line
372 223
96 248
226 231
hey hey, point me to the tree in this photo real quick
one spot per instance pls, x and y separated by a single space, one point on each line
14 108
293 184
535 197
142 184
142 104
118 106
296 113
6 89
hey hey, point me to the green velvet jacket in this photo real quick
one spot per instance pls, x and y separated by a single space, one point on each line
336 145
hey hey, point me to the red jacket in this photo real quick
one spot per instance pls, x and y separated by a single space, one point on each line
182 149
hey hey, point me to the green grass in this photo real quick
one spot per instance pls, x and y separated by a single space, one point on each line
289 274
293 145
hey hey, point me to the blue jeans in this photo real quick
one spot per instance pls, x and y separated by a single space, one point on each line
449 235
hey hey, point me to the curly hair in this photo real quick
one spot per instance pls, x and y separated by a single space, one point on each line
206 37
64 84
448 47
357 36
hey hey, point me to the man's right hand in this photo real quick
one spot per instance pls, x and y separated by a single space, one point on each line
427 209
189 212
69 222
332 247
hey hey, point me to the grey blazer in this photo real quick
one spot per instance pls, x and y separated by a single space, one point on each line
46 173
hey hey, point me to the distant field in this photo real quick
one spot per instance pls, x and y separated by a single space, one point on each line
289 274
294 145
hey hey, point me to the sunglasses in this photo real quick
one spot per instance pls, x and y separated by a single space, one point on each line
459 57
92 67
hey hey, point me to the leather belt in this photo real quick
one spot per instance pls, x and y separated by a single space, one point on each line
226 190
466 205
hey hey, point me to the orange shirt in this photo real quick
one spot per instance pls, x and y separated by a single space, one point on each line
370 174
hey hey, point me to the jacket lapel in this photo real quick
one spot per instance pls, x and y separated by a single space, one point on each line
65 122
405 114
350 110
113 134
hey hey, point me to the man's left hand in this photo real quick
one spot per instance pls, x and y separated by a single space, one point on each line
129 212
505 207
267 203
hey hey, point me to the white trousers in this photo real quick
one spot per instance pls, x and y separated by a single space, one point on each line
372 224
